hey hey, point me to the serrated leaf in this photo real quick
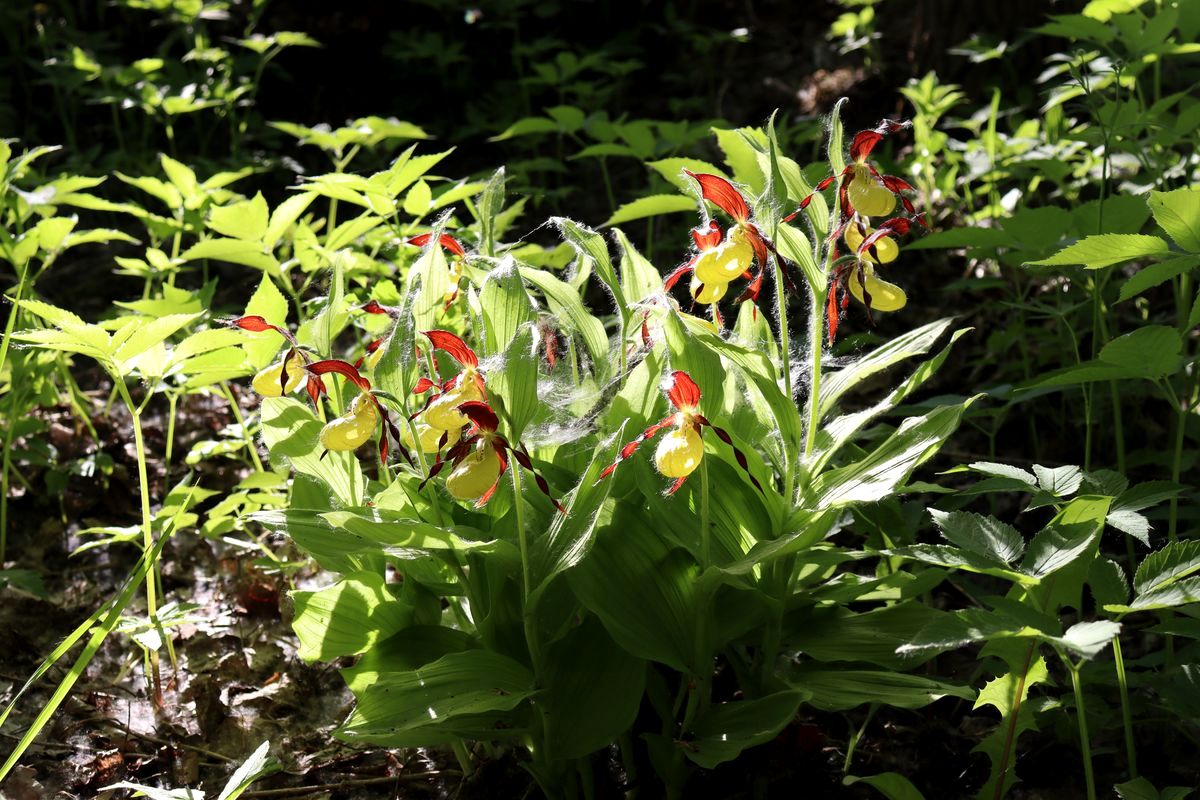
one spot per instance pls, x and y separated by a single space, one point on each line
1104 250
1059 481
246 220
270 304
980 534
1178 213
1175 561
1153 274
235 251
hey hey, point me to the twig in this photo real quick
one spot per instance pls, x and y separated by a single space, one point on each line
292 791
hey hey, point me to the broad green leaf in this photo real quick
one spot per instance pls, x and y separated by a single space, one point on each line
285 215
891 785
835 688
515 385
741 156
464 694
593 691
794 245
1153 350
880 637
246 220
1059 481
429 279
886 468
1104 250
526 126
418 199
506 306
639 278
962 237
672 170
290 432
907 345
592 247
1171 595
1153 274
652 206
570 536
642 589
726 729
149 334
1008 693
347 618
1178 213
490 204
1087 639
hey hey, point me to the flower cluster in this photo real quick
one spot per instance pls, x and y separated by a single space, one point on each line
723 257
864 193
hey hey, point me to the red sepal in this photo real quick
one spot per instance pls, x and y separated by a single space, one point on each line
375 307
456 347
446 240
682 391
675 274
722 194
707 239
423 385
345 369
862 145
481 414
253 323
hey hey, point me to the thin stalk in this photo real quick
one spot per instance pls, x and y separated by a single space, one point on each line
135 413
12 317
1085 747
856 737
1182 410
241 421
169 445
529 618
1126 716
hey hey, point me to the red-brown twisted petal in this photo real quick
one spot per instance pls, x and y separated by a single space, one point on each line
831 311
527 463
456 347
675 486
724 436
253 323
722 194
630 448
683 392
343 368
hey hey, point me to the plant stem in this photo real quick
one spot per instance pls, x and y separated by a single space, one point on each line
241 421
1085 747
135 413
1126 716
816 345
